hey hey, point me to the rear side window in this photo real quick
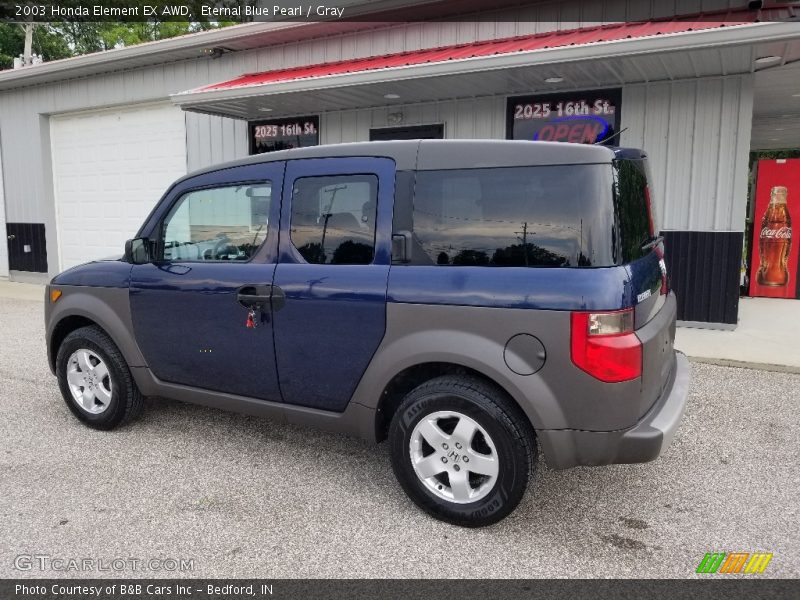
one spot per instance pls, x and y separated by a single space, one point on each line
548 216
333 219
635 213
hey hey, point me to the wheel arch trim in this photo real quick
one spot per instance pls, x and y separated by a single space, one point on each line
459 349
108 308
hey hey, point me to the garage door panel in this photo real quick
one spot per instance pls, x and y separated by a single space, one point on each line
109 170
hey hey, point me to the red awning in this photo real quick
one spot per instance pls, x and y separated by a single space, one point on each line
556 39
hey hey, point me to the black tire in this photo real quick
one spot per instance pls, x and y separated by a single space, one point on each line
510 431
125 399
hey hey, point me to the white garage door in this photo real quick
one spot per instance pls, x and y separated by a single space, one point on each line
109 169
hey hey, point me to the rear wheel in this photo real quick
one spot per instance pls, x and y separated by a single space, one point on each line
462 450
95 380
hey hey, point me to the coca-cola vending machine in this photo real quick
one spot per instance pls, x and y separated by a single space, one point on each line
773 270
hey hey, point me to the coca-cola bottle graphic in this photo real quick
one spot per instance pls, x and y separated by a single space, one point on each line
775 240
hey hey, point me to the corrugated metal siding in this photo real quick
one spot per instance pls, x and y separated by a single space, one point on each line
22 154
19 110
212 140
697 134
535 18
3 244
703 269
469 118
28 189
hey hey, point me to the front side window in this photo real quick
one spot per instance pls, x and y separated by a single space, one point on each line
547 216
218 224
333 219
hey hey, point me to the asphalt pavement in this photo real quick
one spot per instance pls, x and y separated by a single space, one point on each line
237 496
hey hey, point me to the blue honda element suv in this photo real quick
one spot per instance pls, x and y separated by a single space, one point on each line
473 302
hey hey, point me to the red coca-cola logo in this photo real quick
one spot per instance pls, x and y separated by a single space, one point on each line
784 233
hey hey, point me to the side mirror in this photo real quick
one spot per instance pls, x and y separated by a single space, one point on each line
137 251
401 247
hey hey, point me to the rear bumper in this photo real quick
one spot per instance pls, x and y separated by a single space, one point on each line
645 441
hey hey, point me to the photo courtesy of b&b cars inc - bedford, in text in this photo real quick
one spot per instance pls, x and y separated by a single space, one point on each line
399 299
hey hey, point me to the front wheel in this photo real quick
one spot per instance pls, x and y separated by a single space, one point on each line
462 450
95 380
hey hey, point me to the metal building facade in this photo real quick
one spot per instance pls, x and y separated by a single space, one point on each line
696 132
694 122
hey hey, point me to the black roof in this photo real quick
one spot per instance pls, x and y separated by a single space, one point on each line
449 154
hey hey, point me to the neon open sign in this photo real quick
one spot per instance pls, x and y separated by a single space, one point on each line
583 118
578 130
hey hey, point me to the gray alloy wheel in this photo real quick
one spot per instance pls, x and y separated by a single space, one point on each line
462 450
89 381
459 467
95 380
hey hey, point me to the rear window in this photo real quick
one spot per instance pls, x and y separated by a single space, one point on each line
548 216
635 214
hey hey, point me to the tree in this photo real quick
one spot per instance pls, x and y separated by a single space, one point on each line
62 39
12 39
47 43
527 255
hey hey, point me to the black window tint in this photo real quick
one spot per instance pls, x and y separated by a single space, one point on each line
636 226
550 216
225 223
333 219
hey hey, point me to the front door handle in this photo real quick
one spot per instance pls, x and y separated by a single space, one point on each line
259 296
12 237
254 296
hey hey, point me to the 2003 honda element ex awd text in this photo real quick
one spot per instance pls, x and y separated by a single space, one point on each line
471 301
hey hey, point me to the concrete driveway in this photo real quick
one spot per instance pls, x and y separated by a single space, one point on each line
243 497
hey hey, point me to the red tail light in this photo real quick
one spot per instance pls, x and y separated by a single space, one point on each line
604 345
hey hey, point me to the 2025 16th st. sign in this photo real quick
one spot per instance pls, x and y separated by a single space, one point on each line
580 117
282 134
